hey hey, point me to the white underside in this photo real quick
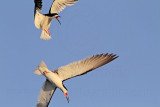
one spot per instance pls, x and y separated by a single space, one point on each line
38 20
43 22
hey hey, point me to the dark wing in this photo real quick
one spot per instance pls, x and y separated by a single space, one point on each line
38 4
84 66
38 17
46 94
59 5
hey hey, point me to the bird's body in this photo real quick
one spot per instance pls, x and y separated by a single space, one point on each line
54 79
43 21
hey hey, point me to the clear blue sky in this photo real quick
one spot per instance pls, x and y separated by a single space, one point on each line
129 28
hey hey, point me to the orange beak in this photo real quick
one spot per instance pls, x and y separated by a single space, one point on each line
67 97
58 20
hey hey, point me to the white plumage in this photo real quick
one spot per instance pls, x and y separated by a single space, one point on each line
43 21
54 79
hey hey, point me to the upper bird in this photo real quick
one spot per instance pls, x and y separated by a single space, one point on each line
43 21
54 79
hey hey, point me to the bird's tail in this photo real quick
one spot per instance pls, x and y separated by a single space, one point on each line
45 35
42 65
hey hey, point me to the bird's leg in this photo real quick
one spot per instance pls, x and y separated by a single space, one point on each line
45 72
58 20
67 97
47 31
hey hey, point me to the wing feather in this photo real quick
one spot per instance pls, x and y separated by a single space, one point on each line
46 94
84 66
59 5
38 19
38 4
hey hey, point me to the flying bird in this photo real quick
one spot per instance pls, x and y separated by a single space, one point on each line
43 21
54 79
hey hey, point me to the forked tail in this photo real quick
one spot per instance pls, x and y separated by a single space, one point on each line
45 35
41 66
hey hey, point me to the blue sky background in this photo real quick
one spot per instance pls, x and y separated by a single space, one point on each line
128 28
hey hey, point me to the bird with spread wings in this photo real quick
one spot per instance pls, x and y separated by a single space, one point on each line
43 21
54 79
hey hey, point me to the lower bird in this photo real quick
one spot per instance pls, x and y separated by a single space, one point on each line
54 79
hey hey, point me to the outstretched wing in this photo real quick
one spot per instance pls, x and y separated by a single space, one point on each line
59 5
38 17
46 94
84 66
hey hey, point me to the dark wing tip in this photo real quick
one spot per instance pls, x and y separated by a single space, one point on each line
113 57
38 4
40 105
110 57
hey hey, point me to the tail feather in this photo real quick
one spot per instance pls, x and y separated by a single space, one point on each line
45 35
42 64
37 70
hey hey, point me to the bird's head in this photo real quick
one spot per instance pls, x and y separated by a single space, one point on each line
64 90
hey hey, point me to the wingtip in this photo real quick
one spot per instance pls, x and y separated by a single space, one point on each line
115 56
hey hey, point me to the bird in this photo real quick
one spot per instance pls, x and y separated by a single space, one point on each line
55 79
43 21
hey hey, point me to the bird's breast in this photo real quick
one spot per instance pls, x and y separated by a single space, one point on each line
54 78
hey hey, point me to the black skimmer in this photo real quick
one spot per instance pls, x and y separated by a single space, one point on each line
43 21
54 79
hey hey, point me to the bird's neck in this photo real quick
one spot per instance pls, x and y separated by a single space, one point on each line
64 90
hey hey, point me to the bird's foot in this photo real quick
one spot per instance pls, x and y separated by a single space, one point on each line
47 31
